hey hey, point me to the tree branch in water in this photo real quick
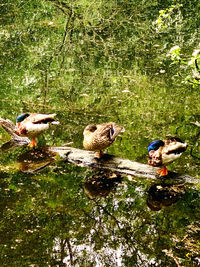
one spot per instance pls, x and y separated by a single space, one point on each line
86 158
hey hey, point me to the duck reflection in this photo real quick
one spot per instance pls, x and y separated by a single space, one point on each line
35 160
160 196
100 184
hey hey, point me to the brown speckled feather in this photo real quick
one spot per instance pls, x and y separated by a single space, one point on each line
100 136
155 157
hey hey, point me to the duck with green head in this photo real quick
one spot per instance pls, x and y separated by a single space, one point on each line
98 137
162 153
32 125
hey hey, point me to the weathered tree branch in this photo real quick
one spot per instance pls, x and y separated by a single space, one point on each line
9 127
86 158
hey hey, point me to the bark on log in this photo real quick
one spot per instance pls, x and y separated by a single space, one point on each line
85 158
9 127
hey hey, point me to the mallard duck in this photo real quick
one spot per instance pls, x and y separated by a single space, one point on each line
100 136
162 153
33 124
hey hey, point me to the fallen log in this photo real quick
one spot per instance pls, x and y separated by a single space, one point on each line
36 159
86 158
112 163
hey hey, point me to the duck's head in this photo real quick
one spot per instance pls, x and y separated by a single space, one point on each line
155 145
22 117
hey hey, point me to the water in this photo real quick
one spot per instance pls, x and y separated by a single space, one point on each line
95 62
59 214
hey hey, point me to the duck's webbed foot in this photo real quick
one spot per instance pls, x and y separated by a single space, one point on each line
163 171
99 154
33 143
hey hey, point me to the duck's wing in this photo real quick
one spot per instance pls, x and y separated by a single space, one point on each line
174 146
37 118
172 150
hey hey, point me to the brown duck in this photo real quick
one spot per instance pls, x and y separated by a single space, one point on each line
98 137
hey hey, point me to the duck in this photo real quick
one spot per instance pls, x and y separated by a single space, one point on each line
98 137
161 153
32 125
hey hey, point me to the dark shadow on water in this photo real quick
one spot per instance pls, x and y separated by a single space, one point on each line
177 178
105 157
170 175
9 146
35 159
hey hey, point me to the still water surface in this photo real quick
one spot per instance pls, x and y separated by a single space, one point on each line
59 214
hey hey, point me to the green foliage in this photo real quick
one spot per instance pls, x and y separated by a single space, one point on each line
169 17
179 29
99 61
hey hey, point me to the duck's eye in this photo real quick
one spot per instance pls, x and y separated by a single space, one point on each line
112 131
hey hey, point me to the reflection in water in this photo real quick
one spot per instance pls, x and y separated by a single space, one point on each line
13 144
100 184
160 196
35 160
46 221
